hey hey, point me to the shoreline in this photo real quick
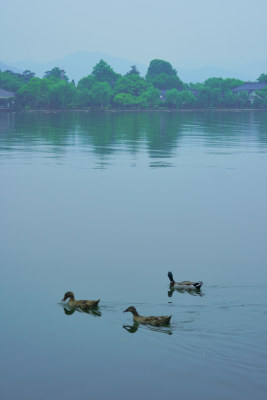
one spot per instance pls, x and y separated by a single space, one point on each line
115 110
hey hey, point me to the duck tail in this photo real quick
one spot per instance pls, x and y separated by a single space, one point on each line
170 275
198 284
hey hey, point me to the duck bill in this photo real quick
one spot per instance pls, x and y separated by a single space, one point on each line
63 299
126 310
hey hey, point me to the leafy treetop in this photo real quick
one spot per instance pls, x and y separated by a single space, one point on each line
262 78
56 73
157 67
12 81
103 72
133 70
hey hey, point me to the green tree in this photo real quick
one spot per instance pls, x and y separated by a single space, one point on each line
165 82
132 84
231 83
149 98
261 98
11 81
100 94
230 99
222 84
34 93
157 67
83 97
133 70
87 82
244 99
28 75
172 98
56 73
103 72
61 95
182 99
213 83
163 76
186 99
262 78
125 100
209 97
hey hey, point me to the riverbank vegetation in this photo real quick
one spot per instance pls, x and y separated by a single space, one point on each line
104 88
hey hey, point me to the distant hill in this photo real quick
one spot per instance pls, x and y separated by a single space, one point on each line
5 67
203 73
78 65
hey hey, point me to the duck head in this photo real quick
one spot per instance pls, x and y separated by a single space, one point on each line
131 309
68 295
170 275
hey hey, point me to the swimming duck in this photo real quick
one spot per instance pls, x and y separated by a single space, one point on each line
82 304
155 321
184 284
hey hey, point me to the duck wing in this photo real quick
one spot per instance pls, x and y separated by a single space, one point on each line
157 321
87 303
196 285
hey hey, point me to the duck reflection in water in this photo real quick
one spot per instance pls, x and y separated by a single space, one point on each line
134 328
68 310
188 291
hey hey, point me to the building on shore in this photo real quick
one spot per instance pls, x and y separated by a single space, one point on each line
250 88
6 98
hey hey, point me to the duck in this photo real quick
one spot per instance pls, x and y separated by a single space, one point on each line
152 320
82 304
184 284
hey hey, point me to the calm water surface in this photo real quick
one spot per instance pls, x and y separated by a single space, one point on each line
105 204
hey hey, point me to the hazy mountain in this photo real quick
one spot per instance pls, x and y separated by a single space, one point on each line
5 67
78 65
203 73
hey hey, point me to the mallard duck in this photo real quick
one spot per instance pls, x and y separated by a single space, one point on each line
184 284
82 304
155 321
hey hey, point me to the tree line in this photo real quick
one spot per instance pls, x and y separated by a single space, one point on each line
104 88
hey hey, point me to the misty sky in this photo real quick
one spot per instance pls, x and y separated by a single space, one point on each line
231 34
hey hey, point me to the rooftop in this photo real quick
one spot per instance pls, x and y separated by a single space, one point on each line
5 94
249 86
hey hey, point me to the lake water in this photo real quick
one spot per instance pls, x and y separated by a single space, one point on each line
105 204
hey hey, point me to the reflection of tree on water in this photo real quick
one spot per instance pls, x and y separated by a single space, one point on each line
192 292
70 310
106 133
134 328
103 133
163 132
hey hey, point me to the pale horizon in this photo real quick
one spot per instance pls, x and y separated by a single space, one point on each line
189 34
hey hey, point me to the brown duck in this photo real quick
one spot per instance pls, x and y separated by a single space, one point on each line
155 321
82 304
